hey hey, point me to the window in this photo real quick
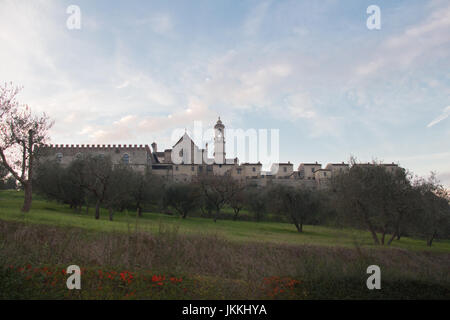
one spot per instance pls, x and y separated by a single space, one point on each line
59 157
126 158
324 174
239 171
78 155
284 169
192 168
312 169
176 168
253 169
101 155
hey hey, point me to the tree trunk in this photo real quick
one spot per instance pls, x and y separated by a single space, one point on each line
392 238
111 212
374 236
430 240
139 211
28 197
216 214
298 225
372 230
236 212
28 187
397 227
97 210
87 210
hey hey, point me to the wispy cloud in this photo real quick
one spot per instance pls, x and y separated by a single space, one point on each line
263 63
421 40
255 18
444 115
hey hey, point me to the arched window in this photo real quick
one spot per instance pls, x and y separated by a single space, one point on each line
78 156
59 157
126 158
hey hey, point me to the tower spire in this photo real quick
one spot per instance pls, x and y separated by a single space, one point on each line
219 142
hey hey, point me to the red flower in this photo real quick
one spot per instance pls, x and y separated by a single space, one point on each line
156 278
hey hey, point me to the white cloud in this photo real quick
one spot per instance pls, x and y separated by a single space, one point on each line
300 106
254 20
125 84
421 41
441 117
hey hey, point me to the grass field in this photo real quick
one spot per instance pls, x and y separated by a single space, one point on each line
159 256
51 213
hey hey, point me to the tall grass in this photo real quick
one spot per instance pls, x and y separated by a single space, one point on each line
217 268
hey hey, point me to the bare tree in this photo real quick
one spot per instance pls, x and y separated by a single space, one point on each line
217 190
21 135
238 200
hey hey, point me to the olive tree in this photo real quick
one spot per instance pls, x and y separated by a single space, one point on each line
184 198
433 220
217 191
299 204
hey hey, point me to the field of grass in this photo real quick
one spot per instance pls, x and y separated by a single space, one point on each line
160 256
51 213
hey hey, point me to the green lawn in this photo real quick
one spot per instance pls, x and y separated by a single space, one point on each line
223 260
51 213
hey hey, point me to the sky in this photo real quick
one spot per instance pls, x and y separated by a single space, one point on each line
137 70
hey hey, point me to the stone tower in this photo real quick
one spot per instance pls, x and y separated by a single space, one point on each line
219 142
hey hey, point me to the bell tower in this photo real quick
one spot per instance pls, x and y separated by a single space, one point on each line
219 142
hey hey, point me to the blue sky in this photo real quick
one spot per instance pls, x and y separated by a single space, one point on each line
139 69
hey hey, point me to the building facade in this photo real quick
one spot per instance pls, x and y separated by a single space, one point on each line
186 161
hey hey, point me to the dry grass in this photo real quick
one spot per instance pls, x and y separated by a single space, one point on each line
229 269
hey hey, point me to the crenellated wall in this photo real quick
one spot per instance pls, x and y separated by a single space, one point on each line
138 156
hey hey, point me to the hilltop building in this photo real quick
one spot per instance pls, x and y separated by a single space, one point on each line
186 160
